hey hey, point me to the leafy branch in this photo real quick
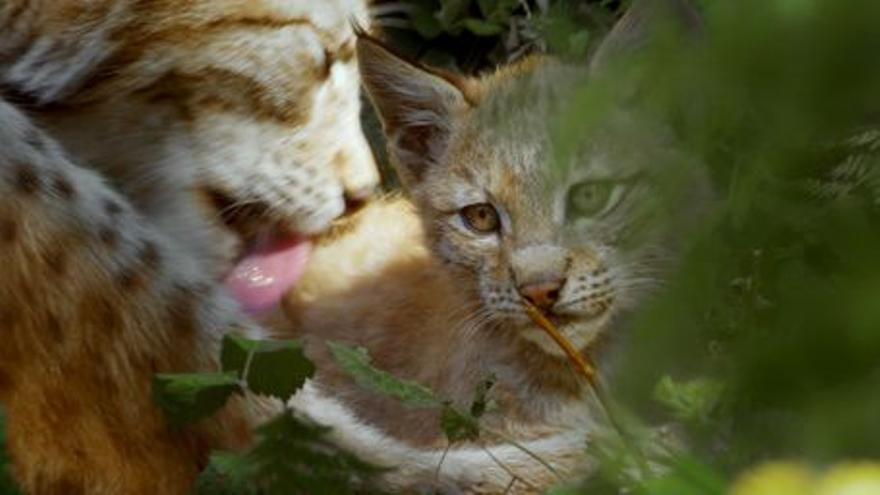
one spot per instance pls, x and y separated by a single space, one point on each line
292 454
457 425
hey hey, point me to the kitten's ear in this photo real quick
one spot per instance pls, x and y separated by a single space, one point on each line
416 106
640 22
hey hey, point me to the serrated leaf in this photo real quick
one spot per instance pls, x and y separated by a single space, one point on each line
458 426
189 397
278 368
234 352
356 363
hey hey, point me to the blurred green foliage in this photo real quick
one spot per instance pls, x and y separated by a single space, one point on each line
774 304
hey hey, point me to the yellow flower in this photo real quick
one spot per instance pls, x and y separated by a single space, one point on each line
853 478
776 478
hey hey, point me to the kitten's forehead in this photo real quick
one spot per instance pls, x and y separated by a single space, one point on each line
518 107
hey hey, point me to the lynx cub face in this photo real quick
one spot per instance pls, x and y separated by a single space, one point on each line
576 235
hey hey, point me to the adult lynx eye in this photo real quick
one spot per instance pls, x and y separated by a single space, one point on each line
481 218
590 199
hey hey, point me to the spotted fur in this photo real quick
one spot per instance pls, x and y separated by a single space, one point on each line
121 122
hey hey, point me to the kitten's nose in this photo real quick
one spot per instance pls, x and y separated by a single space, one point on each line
542 294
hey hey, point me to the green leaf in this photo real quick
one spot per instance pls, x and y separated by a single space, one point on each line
292 456
278 368
425 22
693 400
458 426
482 28
227 474
481 404
451 12
565 490
234 352
293 452
487 7
579 43
498 11
686 476
356 363
189 397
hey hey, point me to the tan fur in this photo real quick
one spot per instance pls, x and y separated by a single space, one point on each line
438 301
116 118
377 285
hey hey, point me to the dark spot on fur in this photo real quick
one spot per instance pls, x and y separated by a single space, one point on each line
56 259
35 139
109 237
8 230
131 279
112 207
329 60
53 328
26 179
150 256
63 188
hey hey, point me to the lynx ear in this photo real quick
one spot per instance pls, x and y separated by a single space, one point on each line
642 21
416 107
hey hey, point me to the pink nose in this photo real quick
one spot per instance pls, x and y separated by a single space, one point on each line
542 294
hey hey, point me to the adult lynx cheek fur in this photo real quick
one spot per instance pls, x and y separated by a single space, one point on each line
150 150
228 123
433 286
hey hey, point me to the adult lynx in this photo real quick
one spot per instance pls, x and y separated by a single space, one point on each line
150 151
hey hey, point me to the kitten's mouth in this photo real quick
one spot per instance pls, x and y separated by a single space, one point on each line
271 259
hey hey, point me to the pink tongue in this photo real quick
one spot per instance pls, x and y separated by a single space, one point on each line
262 277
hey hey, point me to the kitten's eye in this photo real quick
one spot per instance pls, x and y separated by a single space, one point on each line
590 199
481 218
